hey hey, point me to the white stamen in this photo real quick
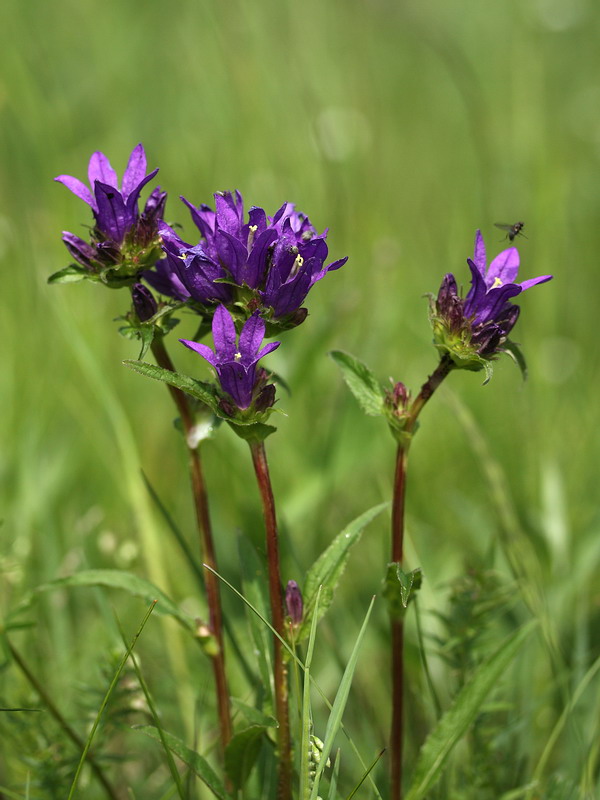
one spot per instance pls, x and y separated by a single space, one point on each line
237 357
497 282
251 231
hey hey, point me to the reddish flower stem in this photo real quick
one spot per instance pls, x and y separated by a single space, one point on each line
206 543
261 468
397 625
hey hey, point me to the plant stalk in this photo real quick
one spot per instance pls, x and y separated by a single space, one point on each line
111 792
261 468
208 554
397 625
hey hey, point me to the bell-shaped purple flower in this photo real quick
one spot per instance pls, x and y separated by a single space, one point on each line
474 329
123 241
235 361
267 263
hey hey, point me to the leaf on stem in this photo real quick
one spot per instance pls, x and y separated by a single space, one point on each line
362 383
197 763
241 754
201 391
328 568
400 588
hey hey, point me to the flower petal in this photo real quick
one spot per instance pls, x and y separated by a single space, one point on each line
479 256
78 188
232 255
251 337
202 350
534 281
477 291
268 348
230 212
99 169
504 268
134 171
134 195
112 217
223 331
203 217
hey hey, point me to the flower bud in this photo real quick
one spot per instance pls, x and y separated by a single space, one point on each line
293 602
143 302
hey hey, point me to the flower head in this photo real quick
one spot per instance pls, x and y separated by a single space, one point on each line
474 329
267 263
235 361
122 238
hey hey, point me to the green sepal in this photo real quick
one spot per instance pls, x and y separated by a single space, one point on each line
241 754
325 573
71 274
400 588
144 332
514 351
362 383
251 432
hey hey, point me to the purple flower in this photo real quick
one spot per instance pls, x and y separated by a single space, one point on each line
235 362
475 328
115 206
272 262
122 239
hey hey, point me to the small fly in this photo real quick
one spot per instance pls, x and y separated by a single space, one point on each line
511 230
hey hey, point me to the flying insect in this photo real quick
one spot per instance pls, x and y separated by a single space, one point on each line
511 230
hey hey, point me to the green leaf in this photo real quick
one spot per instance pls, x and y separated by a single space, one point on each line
241 754
455 722
144 332
201 391
362 383
71 274
399 588
328 568
117 579
254 715
190 758
339 704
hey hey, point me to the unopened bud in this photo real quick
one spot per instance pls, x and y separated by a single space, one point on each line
293 602
143 302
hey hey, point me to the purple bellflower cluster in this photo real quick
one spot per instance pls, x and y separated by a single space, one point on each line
474 330
123 241
267 264
244 387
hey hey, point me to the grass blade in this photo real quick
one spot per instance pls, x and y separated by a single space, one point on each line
339 704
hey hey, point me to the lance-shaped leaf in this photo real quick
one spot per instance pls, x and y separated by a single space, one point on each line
328 568
241 754
201 391
118 579
362 383
70 274
197 763
455 722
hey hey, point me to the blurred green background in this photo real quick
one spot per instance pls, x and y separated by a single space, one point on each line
402 127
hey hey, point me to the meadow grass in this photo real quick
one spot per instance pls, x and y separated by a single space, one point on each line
402 127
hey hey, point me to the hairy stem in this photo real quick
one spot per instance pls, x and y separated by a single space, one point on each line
261 468
206 543
73 736
397 625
